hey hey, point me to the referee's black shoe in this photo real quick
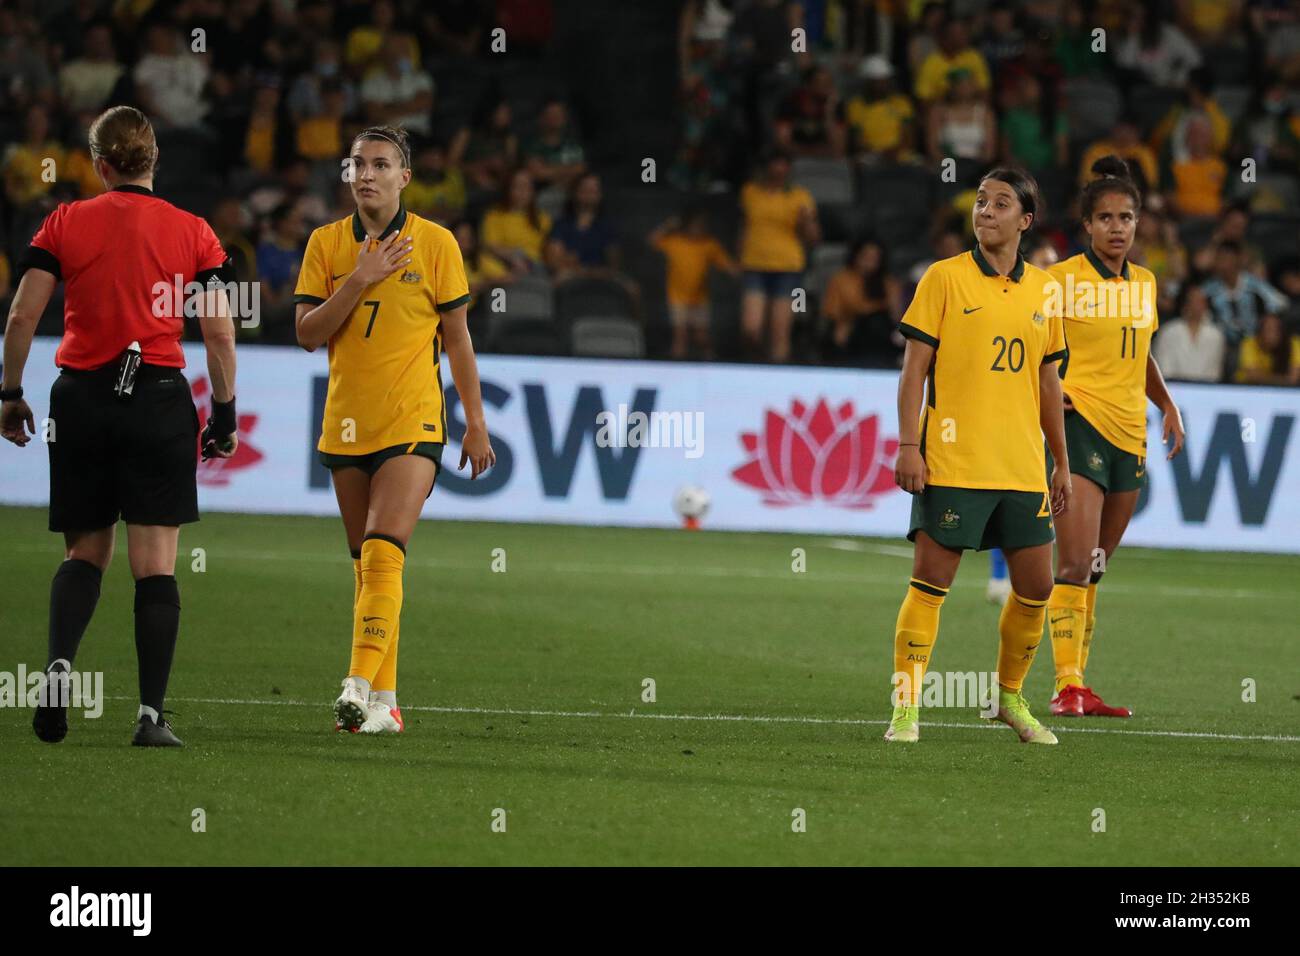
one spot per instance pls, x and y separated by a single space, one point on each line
150 734
50 721
50 724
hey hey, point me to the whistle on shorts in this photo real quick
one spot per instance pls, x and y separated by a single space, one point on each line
127 370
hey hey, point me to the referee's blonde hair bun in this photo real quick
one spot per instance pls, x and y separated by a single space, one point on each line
123 137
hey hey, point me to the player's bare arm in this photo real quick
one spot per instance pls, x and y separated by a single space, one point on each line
218 330
25 312
1172 424
476 448
1051 416
909 471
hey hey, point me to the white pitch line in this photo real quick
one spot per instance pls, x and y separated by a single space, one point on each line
717 571
724 718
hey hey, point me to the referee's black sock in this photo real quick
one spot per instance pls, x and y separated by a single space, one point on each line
74 592
157 619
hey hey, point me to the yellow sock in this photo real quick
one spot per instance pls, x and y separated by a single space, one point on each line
1020 630
374 622
1087 628
1067 613
356 579
914 637
386 676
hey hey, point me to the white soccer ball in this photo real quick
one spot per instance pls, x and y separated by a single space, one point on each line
691 501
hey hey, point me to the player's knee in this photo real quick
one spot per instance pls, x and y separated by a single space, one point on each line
96 551
1073 572
1035 591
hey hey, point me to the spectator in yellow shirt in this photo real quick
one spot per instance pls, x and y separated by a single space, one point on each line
861 305
954 53
437 189
880 119
1199 179
28 172
483 270
779 220
691 251
1124 142
514 229
320 136
1270 356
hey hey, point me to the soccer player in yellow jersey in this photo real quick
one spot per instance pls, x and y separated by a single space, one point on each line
1109 306
386 290
982 350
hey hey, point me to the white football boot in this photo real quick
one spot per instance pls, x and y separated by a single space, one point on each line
382 719
350 710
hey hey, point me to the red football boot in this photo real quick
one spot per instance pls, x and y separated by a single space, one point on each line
1094 706
1068 702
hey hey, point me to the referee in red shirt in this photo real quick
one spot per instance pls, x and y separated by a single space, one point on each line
125 434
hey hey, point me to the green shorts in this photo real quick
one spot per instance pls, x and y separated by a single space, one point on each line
1096 459
370 463
979 519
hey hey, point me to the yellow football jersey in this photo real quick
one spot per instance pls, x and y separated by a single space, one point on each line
385 385
1109 320
991 333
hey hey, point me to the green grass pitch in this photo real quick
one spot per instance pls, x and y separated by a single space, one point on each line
522 691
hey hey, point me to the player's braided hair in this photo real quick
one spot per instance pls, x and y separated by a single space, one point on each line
389 134
123 137
1113 176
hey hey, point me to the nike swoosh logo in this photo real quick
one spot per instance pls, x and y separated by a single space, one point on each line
1058 620
337 277
969 311
374 619
914 644
1032 646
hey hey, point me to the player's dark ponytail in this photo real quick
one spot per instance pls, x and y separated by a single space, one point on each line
1113 176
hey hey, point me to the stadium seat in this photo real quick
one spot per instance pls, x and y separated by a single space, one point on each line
551 201
1233 100
523 336
907 187
597 337
1149 104
1272 192
826 259
829 180
1093 106
840 221
585 297
1276 234
1195 232
529 297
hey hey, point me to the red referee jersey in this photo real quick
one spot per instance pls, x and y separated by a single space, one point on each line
113 252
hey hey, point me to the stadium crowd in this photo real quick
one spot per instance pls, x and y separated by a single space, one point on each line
809 185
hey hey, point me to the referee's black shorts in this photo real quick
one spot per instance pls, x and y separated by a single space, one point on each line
133 458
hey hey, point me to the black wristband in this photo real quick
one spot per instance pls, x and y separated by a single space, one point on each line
224 421
11 394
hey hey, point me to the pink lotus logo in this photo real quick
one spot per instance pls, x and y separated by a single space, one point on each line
816 454
216 471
